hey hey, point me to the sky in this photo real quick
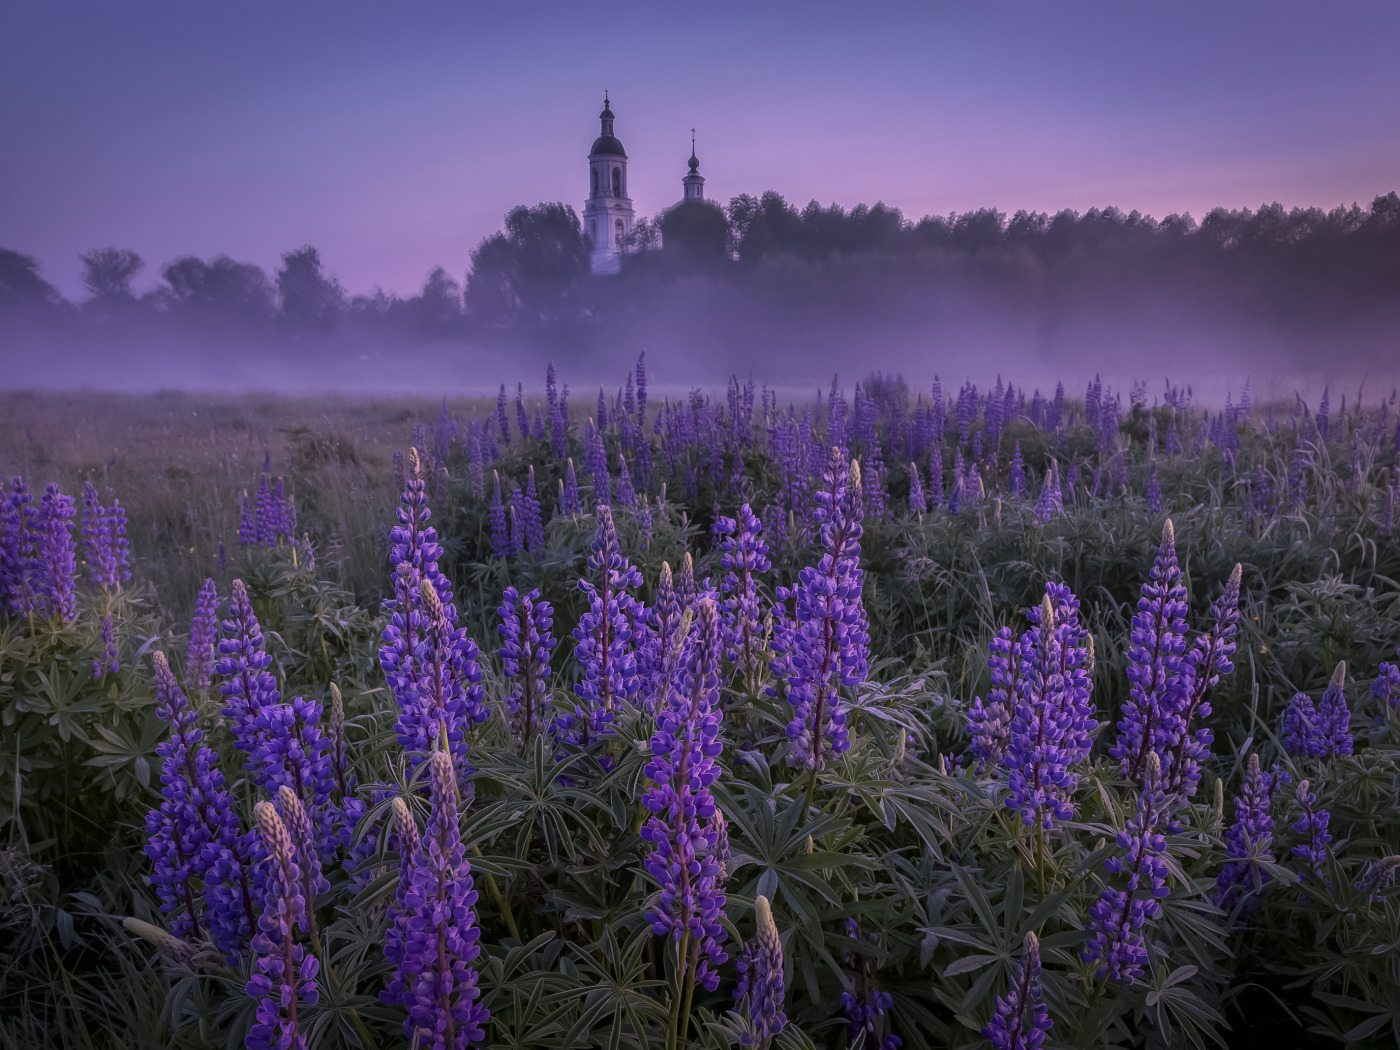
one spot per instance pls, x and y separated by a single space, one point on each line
393 137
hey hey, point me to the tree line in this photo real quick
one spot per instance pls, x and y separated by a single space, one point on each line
534 272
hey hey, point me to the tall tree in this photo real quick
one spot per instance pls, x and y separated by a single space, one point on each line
107 274
220 287
530 272
311 301
21 287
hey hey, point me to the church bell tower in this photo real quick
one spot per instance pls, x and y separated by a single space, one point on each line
607 214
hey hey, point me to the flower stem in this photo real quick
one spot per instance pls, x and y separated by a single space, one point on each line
681 952
684 1030
501 904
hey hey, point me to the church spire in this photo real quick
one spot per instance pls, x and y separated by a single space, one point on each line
693 184
607 115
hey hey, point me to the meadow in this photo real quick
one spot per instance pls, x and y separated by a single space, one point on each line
949 717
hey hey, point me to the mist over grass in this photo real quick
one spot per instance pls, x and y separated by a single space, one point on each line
1291 300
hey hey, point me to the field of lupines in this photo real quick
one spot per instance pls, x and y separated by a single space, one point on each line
940 718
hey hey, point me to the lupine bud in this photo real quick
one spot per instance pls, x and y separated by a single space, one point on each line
759 996
167 944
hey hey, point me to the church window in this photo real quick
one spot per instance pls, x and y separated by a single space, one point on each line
618 237
595 182
617 182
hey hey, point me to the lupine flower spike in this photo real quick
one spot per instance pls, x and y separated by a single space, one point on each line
204 636
284 973
1117 920
434 937
681 828
759 996
1249 841
1155 661
1022 1018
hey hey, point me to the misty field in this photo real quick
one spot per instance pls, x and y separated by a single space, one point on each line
938 717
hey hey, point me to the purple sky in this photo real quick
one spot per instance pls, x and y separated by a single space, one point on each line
395 136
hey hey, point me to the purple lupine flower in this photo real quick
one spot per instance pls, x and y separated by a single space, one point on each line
502 420
663 627
918 502
595 464
603 640
204 637
1051 718
516 512
1018 473
570 502
759 995
248 686
284 973
625 495
247 524
476 467
534 518
289 750
1153 495
1207 661
1311 828
177 831
409 841
265 514
18 593
97 540
687 593
989 721
641 389
1249 841
1021 1018
1047 502
500 529
1299 733
109 660
527 640
680 829
522 418
54 548
434 936
1386 688
830 642
935 475
1334 716
195 832
1377 876
1322 415
446 695
350 806
1119 916
863 1013
305 849
744 556
1155 660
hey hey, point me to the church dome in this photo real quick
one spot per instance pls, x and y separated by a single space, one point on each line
607 146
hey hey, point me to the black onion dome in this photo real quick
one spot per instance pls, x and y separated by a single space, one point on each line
607 146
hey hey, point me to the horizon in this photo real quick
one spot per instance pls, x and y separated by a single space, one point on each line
395 143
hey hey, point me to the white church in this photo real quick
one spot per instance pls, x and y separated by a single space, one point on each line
607 213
